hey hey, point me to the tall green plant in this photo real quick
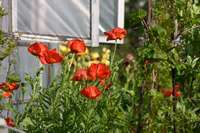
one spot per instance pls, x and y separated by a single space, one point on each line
164 62
6 43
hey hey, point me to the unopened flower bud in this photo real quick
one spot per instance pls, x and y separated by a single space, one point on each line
95 55
106 62
64 49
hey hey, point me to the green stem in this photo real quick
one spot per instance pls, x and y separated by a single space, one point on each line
112 60
70 65
174 99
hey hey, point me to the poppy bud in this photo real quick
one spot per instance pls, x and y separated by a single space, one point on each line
106 62
64 49
95 56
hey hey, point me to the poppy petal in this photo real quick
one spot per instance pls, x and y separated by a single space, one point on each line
80 74
12 86
7 94
50 57
91 92
10 122
116 33
77 46
38 48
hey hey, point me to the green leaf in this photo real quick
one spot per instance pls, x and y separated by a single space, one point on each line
27 122
194 62
13 77
137 16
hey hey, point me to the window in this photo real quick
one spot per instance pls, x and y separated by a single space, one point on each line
111 15
53 21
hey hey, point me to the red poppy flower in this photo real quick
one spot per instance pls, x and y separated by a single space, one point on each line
91 92
77 46
7 94
92 71
10 122
12 86
177 93
80 74
2 85
110 36
50 57
116 33
99 71
169 92
38 48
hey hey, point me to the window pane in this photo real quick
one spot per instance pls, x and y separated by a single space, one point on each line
108 14
70 18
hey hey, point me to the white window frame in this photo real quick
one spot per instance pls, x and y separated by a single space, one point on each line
120 22
11 25
96 38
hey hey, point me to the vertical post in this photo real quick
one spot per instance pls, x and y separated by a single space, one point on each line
94 12
174 98
149 12
10 19
13 15
120 16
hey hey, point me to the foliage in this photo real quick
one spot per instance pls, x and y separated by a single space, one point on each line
6 43
61 107
7 46
135 102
